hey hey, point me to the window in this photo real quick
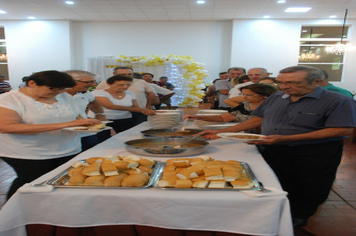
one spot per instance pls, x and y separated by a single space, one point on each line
3 54
313 43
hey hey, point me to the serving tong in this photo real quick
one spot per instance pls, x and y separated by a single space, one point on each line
53 180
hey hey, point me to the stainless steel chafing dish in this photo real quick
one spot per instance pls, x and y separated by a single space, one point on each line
172 133
165 147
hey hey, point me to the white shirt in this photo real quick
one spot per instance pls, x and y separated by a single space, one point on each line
46 145
139 87
234 92
116 114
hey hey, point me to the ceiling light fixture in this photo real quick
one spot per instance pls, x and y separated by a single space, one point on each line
341 48
200 2
69 2
31 17
266 16
297 9
333 16
2 12
281 1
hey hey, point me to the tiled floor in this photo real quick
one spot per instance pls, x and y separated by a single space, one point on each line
336 217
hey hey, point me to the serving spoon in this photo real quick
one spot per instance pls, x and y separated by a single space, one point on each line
182 143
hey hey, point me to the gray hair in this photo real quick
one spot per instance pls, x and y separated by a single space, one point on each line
312 73
237 68
79 73
260 68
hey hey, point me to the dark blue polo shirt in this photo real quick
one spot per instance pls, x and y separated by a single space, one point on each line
317 110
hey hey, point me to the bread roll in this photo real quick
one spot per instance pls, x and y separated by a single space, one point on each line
77 179
181 163
121 165
93 160
213 174
200 184
75 170
231 174
187 174
145 169
114 181
77 164
97 127
169 167
184 183
94 180
132 157
109 168
217 184
91 170
135 180
167 183
146 162
241 184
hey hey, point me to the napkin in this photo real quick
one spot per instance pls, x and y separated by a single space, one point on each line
28 188
255 193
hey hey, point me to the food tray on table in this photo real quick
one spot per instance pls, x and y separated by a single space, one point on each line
62 179
246 181
172 133
165 147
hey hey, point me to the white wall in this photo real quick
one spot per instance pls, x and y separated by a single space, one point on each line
208 42
35 46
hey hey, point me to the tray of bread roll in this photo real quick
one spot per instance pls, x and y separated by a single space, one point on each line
205 173
125 172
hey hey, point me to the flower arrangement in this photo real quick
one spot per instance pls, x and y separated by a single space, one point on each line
193 72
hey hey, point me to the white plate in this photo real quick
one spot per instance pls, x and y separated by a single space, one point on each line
106 121
85 131
246 136
219 126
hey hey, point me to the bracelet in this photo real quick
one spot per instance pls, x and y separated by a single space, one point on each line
100 114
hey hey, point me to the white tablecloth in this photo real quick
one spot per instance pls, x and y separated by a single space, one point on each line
229 211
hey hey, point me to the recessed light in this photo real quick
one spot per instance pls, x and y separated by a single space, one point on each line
297 9
304 31
200 2
69 2
31 17
333 16
281 1
2 12
266 16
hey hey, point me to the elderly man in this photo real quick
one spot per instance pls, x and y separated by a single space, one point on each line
255 75
84 99
223 86
4 86
305 127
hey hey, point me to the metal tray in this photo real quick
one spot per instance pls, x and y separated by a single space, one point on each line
246 169
165 152
62 179
170 133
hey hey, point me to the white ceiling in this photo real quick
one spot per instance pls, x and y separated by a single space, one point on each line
171 10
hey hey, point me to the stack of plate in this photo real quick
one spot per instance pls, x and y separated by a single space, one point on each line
202 123
180 112
164 120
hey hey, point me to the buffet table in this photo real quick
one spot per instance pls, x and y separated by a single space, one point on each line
200 210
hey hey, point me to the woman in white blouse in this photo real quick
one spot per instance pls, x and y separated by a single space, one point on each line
118 103
32 139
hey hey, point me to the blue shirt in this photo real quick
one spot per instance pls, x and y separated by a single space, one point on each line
223 84
317 110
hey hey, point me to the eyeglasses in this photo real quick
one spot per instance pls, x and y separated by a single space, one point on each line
87 82
250 95
290 83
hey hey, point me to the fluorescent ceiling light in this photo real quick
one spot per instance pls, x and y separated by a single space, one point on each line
297 9
304 31
31 17
200 2
333 16
281 1
266 16
2 12
69 2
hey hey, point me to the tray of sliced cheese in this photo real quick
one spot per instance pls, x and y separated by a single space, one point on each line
205 173
110 172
